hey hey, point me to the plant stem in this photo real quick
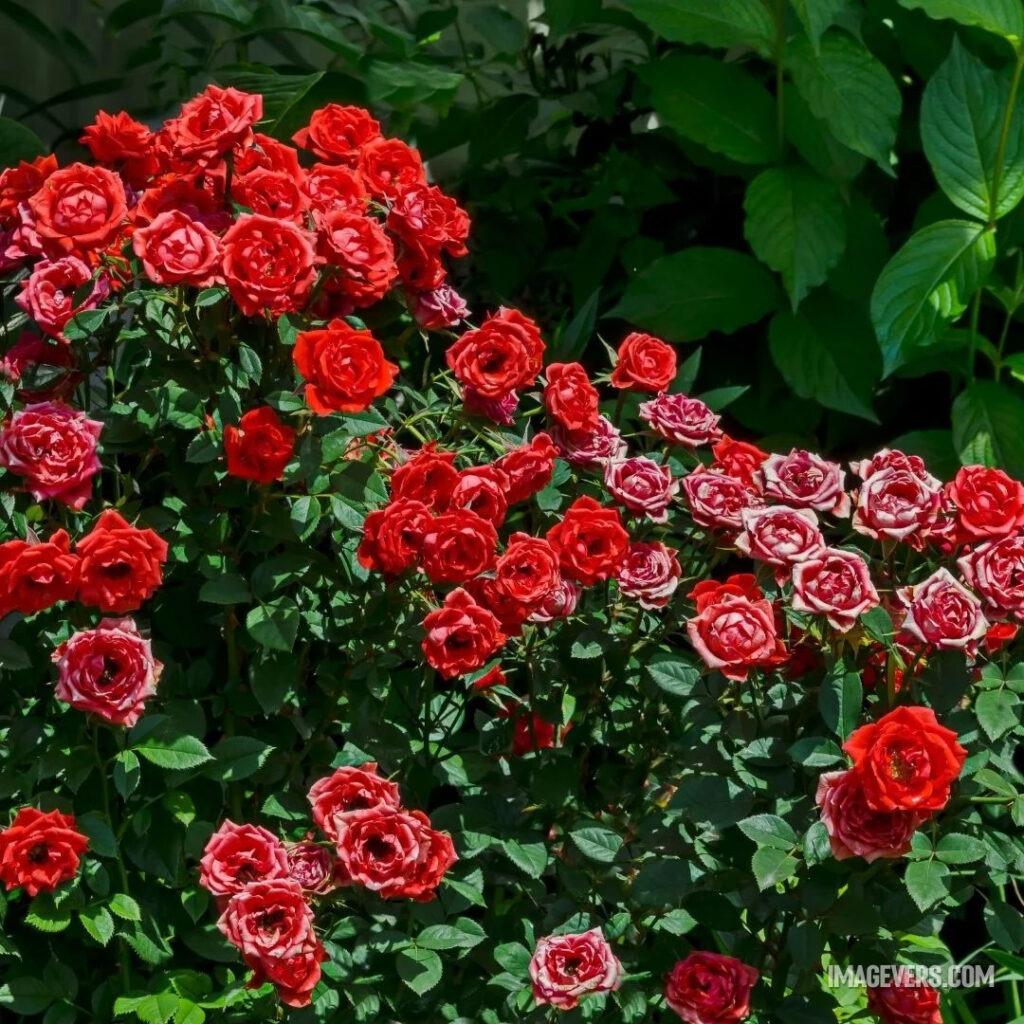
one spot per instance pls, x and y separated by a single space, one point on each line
1004 135
780 53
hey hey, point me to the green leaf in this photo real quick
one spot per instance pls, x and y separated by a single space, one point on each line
927 284
840 700
961 126
796 224
25 995
719 105
1000 17
816 16
46 915
98 923
600 844
238 757
771 866
17 142
274 625
957 848
226 589
125 907
719 23
126 773
1006 925
988 415
769 830
449 936
673 674
997 711
686 296
167 749
530 858
927 882
420 969
848 89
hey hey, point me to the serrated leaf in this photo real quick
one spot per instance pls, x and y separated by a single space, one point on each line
769 830
997 711
226 589
840 699
673 674
98 923
530 858
238 757
420 969
771 866
274 625
720 23
600 844
166 749
957 848
927 882
125 907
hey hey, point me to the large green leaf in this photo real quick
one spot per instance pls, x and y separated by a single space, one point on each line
850 90
961 126
723 23
816 16
687 295
1002 17
988 420
797 225
718 105
927 285
18 143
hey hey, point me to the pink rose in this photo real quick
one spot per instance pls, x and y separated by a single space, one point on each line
802 479
442 307
312 866
890 458
995 570
641 486
718 500
236 856
498 410
560 603
53 447
587 449
780 536
650 572
108 671
679 418
942 612
268 918
336 797
835 584
48 293
175 249
565 968
898 504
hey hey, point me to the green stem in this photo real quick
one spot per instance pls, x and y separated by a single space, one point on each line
972 350
1004 135
780 53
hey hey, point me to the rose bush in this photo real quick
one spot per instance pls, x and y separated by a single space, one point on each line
364 660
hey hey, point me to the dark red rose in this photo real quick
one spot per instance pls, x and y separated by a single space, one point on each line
569 397
78 209
645 363
590 540
906 1002
237 855
502 355
40 850
259 447
313 867
337 133
212 123
393 536
294 974
362 253
482 490
175 249
710 988
37 574
429 476
460 636
528 570
346 791
457 546
988 502
32 350
199 197
529 467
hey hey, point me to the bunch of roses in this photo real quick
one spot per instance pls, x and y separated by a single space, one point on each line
264 887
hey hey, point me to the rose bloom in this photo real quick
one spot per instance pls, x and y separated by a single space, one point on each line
293 975
559 604
269 265
739 459
503 354
420 270
331 187
590 540
438 308
235 856
259 447
498 410
645 363
54 448
780 536
31 351
388 167
457 546
429 476
897 504
48 293
265 153
362 252
108 671
120 565
337 133
393 536
942 612
395 853
78 209
734 628
710 988
199 197
344 368
424 216
565 968
716 499
312 866
528 570
175 249
460 636
212 123
641 486
570 399
906 1002
907 761
481 489
854 829
836 584
276 194
37 574
347 790
995 570
680 419
528 468
588 448
989 503
40 850
802 479
121 140
891 458
650 573
18 184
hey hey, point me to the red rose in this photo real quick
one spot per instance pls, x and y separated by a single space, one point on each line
37 574
121 140
349 789
108 671
559 604
710 988
942 612
238 855
854 829
683 420
641 485
836 584
199 197
482 490
780 536
500 356
53 447
738 459
590 541
570 399
529 468
394 853
48 294
259 447
995 570
457 546
802 479
734 629
330 187
78 209
897 504
17 184
362 252
530 732
175 249
429 476
31 350
718 500
121 565
528 570
344 368
494 676
650 573
265 153
388 167
565 968
988 502
460 635
998 635
906 1002
424 216
336 133
294 974
275 194
907 761
212 123
645 363
40 850
393 536
312 866
498 410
